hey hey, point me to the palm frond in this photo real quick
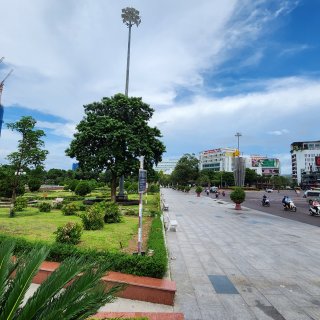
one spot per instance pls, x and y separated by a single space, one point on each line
51 287
79 291
22 280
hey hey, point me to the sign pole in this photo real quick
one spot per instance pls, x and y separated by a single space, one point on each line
142 189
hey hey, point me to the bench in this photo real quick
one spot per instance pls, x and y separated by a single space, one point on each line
165 206
170 224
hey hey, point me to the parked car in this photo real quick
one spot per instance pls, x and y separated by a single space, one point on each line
269 190
214 189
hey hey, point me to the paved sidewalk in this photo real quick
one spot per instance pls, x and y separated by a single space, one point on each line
272 264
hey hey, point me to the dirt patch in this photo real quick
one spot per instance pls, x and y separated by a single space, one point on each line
133 243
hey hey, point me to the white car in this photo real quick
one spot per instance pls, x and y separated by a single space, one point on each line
269 190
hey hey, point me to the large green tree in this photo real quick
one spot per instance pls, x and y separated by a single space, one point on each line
29 154
113 134
186 170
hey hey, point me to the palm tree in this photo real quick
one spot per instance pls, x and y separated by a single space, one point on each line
55 298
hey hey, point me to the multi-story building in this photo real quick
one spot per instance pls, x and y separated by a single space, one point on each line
305 162
220 159
166 165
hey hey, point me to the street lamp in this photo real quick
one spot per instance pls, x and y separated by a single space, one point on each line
238 135
130 17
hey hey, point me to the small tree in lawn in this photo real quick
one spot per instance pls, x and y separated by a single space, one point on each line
29 154
238 196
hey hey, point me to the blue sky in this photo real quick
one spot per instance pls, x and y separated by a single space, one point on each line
209 68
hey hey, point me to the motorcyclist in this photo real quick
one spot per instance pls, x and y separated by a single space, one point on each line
286 202
264 198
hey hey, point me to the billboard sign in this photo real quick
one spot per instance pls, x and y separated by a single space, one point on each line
317 159
264 162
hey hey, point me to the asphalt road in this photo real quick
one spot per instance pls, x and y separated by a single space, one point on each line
253 201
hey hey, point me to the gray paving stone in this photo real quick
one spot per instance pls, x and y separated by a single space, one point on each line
272 261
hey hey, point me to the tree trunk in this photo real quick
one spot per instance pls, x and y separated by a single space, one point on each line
13 200
113 187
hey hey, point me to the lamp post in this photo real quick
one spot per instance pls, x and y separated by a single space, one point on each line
130 17
238 182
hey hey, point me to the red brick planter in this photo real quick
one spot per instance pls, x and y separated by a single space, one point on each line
149 315
137 288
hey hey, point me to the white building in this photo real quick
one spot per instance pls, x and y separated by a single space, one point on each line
303 158
220 159
166 165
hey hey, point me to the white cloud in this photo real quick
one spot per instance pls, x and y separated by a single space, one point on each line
59 129
278 132
67 54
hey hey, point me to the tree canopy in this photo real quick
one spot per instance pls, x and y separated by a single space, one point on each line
113 134
29 154
186 170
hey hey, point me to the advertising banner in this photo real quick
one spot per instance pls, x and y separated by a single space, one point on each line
264 162
317 159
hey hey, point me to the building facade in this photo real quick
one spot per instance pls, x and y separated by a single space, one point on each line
166 165
221 159
305 161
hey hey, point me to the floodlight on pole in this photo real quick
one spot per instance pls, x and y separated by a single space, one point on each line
238 135
130 17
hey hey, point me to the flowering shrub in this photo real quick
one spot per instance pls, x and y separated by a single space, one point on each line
112 213
44 207
69 209
69 234
93 218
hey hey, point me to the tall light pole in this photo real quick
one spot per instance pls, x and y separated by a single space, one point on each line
130 17
238 182
238 135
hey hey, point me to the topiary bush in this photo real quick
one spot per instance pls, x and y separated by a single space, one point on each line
112 213
20 204
44 207
198 189
69 209
82 189
34 184
93 218
69 233
238 196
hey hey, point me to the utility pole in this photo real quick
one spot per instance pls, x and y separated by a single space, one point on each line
130 17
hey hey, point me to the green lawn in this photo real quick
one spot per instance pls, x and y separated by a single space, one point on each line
34 225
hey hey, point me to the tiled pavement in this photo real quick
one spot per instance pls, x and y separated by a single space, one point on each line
273 263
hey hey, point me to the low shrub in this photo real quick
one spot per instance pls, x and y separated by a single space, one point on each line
20 204
238 195
112 213
82 188
34 184
156 242
131 212
153 188
69 233
198 189
69 209
93 218
58 205
44 207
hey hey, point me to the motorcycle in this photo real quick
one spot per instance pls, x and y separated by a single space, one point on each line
290 206
265 202
314 209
